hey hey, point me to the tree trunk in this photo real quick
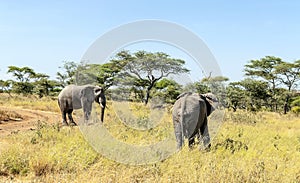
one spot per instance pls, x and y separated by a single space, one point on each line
147 96
148 92
286 104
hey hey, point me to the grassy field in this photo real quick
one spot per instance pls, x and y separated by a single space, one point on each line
249 147
29 102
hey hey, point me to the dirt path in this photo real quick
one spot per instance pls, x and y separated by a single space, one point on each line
27 121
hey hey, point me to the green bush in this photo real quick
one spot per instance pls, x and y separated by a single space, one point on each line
296 106
296 110
244 117
296 102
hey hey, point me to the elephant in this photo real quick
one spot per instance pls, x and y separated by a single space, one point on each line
77 97
190 112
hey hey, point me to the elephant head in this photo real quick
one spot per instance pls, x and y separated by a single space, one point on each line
88 95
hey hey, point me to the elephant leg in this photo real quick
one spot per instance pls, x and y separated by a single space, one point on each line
64 117
71 120
179 139
205 134
195 135
87 109
178 132
87 115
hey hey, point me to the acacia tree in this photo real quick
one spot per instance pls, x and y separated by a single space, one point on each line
149 68
27 81
41 84
235 95
23 76
100 74
248 93
289 75
216 85
108 72
198 87
256 92
265 68
167 89
44 86
67 76
5 86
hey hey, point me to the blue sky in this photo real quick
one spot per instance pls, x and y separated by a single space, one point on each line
42 34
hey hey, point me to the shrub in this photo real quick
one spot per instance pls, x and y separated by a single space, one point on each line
231 145
296 110
244 117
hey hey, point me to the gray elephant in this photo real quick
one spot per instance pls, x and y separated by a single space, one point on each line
190 113
77 97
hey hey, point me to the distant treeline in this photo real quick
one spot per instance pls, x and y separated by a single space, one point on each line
269 84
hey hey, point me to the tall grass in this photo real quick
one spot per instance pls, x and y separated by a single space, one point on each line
29 102
48 150
249 147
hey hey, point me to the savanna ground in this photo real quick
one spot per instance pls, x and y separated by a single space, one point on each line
249 147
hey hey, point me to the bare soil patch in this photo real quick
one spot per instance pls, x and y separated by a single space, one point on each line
15 119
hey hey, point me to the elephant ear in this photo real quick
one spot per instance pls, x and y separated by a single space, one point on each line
99 96
98 91
209 99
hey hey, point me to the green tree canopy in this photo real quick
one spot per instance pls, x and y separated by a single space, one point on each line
167 89
104 75
67 75
23 76
289 73
5 86
264 68
148 68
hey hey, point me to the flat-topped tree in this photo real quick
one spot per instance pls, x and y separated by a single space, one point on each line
265 69
289 76
149 68
23 76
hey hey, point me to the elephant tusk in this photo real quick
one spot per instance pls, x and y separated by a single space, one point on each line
101 105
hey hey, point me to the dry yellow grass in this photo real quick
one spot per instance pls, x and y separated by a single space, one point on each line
29 102
249 147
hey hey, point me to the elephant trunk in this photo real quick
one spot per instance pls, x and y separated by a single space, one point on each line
101 100
102 113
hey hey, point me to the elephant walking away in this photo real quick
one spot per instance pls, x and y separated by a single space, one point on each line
77 97
190 113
